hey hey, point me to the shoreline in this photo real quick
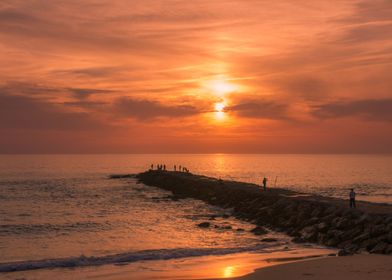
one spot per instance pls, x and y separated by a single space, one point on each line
202 267
242 266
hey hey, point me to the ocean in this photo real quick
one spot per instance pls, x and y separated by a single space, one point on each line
63 211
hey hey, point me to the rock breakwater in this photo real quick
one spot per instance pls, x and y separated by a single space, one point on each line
306 218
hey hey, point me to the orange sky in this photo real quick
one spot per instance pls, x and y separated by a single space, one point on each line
197 76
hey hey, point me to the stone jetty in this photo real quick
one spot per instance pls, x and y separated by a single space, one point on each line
307 218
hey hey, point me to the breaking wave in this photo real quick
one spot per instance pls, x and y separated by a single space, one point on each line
145 255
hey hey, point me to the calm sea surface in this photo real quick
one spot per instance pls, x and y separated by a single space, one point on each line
63 207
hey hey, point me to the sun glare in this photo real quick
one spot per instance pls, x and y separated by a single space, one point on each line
220 87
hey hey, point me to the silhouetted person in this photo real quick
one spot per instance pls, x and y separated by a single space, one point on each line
164 167
179 168
152 166
265 183
175 167
352 199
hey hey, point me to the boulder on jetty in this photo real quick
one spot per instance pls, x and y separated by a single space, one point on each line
269 240
307 218
259 230
122 176
204 225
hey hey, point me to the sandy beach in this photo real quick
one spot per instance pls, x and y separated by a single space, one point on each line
276 266
358 267
206 267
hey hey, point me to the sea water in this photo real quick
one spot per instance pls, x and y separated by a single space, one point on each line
63 211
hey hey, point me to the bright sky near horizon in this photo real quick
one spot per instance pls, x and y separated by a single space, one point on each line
224 76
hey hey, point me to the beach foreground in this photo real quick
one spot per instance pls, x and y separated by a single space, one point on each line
204 267
358 267
294 265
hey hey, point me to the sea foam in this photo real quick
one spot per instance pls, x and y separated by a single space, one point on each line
129 257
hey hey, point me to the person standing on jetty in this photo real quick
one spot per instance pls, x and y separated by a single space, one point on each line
352 199
265 183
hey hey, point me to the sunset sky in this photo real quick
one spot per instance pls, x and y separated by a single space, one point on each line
176 76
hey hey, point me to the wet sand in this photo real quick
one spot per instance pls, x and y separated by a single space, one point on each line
358 267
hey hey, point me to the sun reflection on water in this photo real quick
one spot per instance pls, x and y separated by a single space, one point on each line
228 271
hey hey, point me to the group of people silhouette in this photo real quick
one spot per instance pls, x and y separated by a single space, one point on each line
162 167
159 166
181 169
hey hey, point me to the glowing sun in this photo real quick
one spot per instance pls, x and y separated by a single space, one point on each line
219 107
219 110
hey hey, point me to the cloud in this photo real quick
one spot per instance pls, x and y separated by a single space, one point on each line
368 33
42 91
370 109
109 28
146 109
300 86
289 60
95 72
25 88
21 112
262 109
370 11
84 93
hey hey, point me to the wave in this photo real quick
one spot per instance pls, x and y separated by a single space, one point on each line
45 228
145 255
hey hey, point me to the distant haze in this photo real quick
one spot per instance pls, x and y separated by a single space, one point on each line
216 76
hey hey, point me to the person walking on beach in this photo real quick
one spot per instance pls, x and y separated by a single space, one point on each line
265 183
352 199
